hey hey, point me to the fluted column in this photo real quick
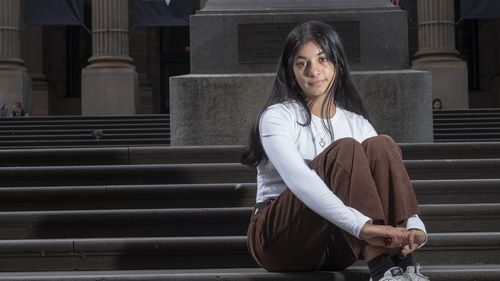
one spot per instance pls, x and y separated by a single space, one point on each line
110 38
15 83
10 39
110 83
436 28
437 54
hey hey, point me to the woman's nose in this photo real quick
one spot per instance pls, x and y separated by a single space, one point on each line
313 69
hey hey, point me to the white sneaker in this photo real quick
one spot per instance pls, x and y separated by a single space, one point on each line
393 274
413 273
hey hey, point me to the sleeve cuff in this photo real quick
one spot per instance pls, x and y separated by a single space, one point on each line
362 220
414 222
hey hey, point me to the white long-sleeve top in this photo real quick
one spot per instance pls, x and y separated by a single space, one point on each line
290 147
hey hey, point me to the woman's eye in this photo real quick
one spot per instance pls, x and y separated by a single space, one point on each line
301 64
323 59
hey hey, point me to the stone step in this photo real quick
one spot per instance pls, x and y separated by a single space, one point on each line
204 252
470 111
214 173
477 129
467 140
126 174
209 195
57 125
127 196
124 253
124 222
486 272
457 191
450 150
467 135
203 221
64 131
460 248
127 155
231 274
152 154
466 119
86 118
453 169
75 131
462 125
461 217
470 125
12 129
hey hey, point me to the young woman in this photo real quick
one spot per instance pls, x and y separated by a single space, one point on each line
329 190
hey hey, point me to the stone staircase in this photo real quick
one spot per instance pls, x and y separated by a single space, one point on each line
467 125
77 131
180 213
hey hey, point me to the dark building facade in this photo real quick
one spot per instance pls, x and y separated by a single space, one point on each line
60 65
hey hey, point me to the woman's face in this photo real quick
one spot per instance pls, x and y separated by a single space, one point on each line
313 71
437 104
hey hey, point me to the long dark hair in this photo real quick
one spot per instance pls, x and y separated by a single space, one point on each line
286 88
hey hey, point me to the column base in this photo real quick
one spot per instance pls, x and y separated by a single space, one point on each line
15 85
449 81
109 91
40 95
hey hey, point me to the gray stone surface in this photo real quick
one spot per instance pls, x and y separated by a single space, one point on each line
219 109
15 85
223 6
382 39
109 91
451 77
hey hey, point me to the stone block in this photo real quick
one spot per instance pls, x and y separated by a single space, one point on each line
109 91
374 38
219 109
449 78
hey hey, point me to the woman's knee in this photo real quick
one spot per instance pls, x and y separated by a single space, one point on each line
380 140
340 148
345 144
381 143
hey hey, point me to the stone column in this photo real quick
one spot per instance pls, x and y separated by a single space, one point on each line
15 83
437 54
32 52
109 83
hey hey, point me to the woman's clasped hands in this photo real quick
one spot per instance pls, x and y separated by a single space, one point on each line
391 237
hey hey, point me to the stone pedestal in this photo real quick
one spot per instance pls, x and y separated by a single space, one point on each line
40 96
449 82
235 47
32 52
15 85
219 109
109 91
248 38
437 54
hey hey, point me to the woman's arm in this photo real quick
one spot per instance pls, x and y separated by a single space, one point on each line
276 131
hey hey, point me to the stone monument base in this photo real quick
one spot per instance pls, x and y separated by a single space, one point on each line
449 81
109 91
218 109
15 85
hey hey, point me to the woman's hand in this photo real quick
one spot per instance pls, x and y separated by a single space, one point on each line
385 236
415 238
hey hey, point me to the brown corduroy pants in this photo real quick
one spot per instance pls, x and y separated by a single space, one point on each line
288 236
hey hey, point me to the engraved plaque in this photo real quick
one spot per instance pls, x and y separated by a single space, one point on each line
262 42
